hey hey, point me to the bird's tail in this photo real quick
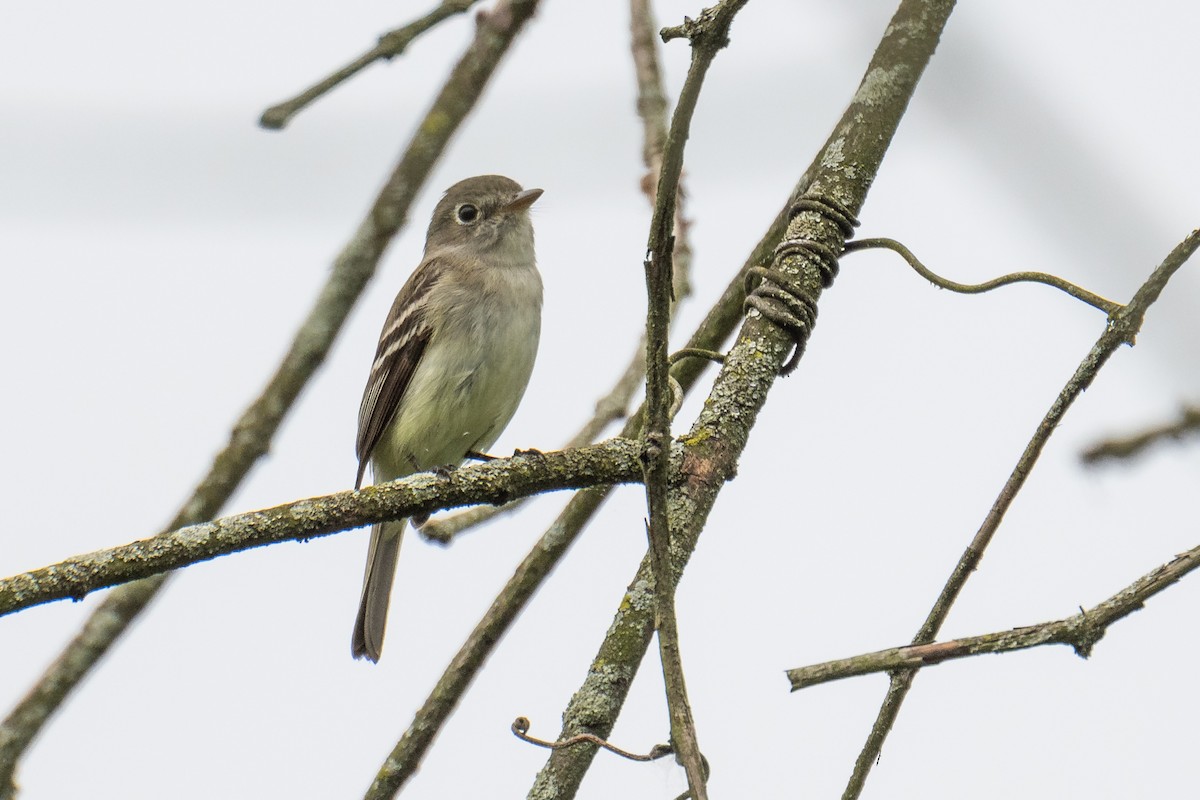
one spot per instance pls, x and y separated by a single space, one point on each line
367 641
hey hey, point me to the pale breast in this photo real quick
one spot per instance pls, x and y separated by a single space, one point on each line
471 378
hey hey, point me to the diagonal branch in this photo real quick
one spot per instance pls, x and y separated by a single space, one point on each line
708 36
390 45
843 170
252 433
1122 328
1081 631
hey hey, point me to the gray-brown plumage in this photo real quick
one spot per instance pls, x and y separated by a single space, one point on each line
453 360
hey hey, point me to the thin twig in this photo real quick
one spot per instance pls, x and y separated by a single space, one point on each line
520 729
1081 632
652 108
390 45
843 170
1121 329
252 433
595 706
707 37
1129 446
405 758
696 352
1079 293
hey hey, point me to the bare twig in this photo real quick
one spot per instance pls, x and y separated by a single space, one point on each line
1122 328
696 352
390 45
1081 632
252 433
707 37
1129 446
1079 293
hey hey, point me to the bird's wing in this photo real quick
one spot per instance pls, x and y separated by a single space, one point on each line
402 342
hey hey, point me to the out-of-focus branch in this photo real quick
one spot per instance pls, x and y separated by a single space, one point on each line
252 433
1122 328
390 45
614 461
708 36
520 729
652 109
1081 632
1129 446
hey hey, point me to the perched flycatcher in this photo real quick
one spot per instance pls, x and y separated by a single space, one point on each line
453 360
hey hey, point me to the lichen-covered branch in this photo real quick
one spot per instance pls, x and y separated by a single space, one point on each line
390 45
1081 632
496 481
253 432
707 39
842 171
1078 292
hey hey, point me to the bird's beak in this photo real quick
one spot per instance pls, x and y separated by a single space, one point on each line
522 201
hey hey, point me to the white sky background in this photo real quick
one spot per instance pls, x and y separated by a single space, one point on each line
159 250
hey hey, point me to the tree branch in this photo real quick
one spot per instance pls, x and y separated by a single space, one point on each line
1129 446
708 37
1122 328
405 758
596 705
496 481
843 170
1081 631
390 45
253 431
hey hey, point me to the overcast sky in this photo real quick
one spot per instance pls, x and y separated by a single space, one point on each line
159 250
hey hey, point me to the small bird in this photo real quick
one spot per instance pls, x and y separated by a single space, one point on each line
453 360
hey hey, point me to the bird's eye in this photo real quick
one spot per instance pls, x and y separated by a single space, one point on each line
466 214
